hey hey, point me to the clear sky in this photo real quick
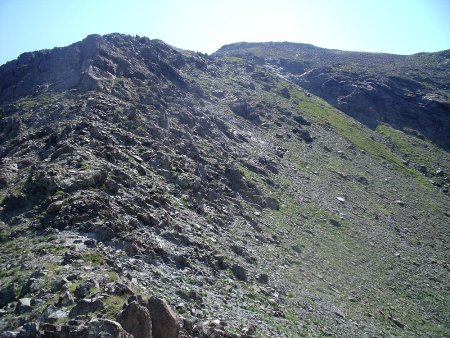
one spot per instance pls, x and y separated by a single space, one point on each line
392 26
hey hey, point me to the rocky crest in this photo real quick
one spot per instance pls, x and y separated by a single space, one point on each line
151 191
408 92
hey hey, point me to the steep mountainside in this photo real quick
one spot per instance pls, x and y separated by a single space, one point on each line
253 207
408 92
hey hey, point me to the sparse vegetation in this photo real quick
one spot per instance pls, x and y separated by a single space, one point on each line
227 190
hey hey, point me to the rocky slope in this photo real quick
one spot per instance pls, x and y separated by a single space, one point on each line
131 169
408 92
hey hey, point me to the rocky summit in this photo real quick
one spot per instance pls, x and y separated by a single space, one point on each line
267 190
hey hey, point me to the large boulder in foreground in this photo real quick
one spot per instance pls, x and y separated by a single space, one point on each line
135 319
165 322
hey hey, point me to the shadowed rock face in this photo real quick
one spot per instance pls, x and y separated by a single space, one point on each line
409 93
402 103
247 204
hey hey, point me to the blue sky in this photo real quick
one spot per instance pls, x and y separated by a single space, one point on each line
392 26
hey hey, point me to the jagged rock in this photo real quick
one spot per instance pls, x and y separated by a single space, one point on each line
221 263
190 295
245 110
339 313
86 306
106 328
104 232
70 330
86 179
262 278
47 329
238 250
62 285
269 164
117 288
52 314
47 312
28 330
66 299
335 222
141 170
182 260
301 120
212 328
239 271
148 219
111 186
40 184
23 305
7 294
165 322
85 287
32 285
234 177
55 207
69 257
303 134
362 180
423 169
187 324
241 251
285 93
272 203
135 319
209 328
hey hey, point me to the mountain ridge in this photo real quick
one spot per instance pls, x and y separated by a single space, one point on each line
407 92
238 45
251 205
